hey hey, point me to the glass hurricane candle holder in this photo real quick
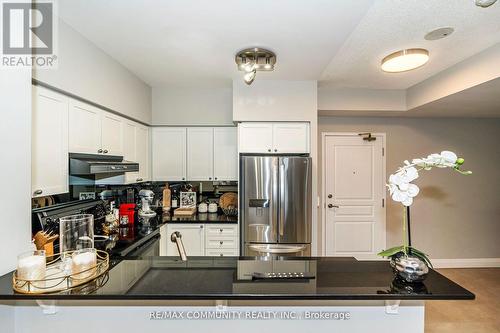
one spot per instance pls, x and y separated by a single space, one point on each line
76 232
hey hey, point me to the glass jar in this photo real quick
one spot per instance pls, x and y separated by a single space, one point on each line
83 263
32 266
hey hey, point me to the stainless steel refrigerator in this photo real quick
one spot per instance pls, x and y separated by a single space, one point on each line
275 203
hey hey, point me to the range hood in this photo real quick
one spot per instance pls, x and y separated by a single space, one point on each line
91 164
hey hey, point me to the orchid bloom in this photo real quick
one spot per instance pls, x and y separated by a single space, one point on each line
400 187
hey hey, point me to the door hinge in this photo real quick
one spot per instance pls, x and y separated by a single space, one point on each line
383 202
383 151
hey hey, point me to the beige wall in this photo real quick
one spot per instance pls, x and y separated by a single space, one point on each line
86 71
454 216
194 105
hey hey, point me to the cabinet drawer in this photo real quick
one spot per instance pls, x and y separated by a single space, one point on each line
221 243
222 230
222 253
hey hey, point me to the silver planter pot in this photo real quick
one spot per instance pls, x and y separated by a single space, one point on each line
409 268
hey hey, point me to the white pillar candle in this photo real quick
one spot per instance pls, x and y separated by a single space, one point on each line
84 260
31 267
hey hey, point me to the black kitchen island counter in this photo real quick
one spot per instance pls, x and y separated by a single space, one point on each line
230 278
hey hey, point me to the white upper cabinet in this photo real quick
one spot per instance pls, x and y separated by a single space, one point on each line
84 128
290 138
94 131
255 137
129 141
194 153
169 153
274 138
112 134
200 153
142 152
136 149
225 153
49 152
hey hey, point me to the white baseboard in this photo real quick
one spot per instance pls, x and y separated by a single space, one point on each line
466 263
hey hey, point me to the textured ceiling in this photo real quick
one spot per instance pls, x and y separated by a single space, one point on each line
391 25
193 41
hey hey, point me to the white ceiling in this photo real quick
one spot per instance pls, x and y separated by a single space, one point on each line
193 41
392 25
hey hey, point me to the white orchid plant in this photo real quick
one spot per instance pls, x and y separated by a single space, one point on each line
402 190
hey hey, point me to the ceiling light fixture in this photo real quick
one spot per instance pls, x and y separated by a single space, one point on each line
485 3
405 60
254 59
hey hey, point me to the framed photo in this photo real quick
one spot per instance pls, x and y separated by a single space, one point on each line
188 199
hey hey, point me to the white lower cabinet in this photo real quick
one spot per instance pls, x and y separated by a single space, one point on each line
201 239
193 238
49 140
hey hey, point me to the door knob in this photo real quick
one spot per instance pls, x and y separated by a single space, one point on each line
332 206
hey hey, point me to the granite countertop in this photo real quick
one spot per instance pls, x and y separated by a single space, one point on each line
218 217
230 278
128 238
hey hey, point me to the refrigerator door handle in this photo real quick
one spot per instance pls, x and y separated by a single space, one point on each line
263 248
282 199
275 196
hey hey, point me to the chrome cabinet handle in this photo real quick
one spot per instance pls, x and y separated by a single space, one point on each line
105 151
221 230
139 179
37 192
332 206
269 150
330 196
215 178
99 151
209 178
183 178
276 150
221 242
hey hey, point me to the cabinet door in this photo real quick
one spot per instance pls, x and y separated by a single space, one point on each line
225 153
84 128
129 141
112 134
290 138
49 152
255 137
169 153
142 152
193 238
200 153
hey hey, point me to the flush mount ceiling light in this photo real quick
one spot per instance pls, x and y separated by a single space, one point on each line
254 59
485 3
404 60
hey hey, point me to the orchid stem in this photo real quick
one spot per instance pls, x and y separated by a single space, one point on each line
405 239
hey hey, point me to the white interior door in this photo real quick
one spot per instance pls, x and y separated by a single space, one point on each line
354 196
